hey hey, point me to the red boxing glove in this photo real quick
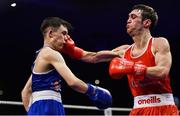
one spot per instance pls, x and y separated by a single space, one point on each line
120 67
70 49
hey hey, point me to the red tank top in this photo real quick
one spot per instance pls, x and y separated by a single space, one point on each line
146 86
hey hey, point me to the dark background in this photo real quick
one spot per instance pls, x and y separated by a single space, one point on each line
98 25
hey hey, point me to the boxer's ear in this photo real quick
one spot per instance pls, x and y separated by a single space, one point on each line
147 23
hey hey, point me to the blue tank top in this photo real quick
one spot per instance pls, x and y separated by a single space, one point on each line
46 81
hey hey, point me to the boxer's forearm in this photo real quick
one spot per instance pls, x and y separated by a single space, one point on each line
26 99
101 56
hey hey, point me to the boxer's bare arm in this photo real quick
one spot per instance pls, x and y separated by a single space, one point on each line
75 52
57 61
163 59
104 55
121 49
101 56
26 93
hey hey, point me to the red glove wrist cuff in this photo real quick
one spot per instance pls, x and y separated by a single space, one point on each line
77 53
139 69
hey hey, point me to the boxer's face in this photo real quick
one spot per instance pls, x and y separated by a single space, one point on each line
59 37
134 22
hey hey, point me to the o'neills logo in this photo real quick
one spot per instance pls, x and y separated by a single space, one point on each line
152 99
